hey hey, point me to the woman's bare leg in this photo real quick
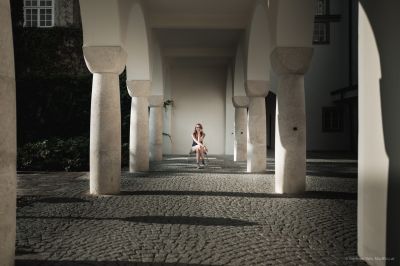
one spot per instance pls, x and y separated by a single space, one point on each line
201 154
198 155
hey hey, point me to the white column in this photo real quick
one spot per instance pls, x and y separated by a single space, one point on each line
106 63
8 146
240 145
156 126
139 90
256 90
290 64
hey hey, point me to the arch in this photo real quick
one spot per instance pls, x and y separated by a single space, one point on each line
239 75
379 153
372 171
136 40
258 44
292 22
157 84
101 22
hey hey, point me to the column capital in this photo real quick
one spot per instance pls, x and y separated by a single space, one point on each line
240 101
105 59
291 60
156 100
139 88
257 88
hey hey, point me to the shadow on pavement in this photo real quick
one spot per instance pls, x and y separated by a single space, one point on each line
307 195
188 220
30 200
97 263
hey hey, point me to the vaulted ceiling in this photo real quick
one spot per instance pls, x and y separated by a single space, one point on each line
198 14
206 29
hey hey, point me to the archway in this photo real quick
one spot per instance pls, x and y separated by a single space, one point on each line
379 130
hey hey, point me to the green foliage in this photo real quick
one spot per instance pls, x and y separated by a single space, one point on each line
54 96
49 52
168 135
168 102
52 81
49 107
125 154
55 154
125 108
17 13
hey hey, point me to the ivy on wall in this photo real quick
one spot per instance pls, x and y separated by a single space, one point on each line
49 52
53 97
53 84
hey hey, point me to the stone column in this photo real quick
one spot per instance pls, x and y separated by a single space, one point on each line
240 149
257 90
290 64
139 90
106 63
8 144
156 103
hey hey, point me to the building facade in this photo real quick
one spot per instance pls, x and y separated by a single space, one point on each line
260 37
51 13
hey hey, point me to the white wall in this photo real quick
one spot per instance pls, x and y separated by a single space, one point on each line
199 96
328 72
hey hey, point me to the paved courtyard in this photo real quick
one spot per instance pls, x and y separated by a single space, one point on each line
178 215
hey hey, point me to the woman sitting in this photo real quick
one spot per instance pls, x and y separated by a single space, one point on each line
197 145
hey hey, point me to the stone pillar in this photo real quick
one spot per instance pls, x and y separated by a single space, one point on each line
139 90
257 90
8 145
156 103
106 63
240 149
290 64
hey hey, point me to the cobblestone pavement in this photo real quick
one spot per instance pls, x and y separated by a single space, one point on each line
178 215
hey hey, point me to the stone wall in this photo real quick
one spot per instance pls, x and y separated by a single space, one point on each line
66 13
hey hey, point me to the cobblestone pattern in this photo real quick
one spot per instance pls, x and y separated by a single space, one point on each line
191 217
52 183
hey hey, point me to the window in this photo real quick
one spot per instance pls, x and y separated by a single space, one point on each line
322 8
38 13
321 33
321 29
332 119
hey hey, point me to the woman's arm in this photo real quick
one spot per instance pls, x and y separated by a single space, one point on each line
202 137
202 141
197 141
